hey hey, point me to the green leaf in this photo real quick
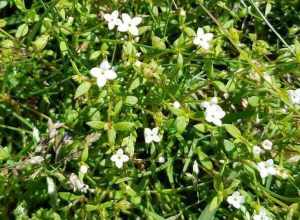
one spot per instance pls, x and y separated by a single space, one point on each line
134 84
22 30
204 159
20 5
233 131
95 55
85 153
41 42
96 124
181 123
220 86
229 146
68 196
131 100
124 126
3 4
158 43
82 89
4 153
210 210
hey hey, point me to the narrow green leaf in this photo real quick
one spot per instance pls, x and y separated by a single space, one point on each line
82 89
210 210
124 126
96 124
233 131
131 100
22 30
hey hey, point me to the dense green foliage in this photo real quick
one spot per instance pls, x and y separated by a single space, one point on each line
55 122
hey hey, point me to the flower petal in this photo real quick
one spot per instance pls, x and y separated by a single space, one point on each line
105 65
96 72
101 81
136 21
126 18
133 30
119 163
110 74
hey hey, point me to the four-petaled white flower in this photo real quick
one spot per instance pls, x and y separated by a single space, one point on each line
119 158
129 24
112 19
267 144
266 168
294 96
236 200
213 112
78 184
103 73
257 150
195 167
176 105
203 39
261 215
152 135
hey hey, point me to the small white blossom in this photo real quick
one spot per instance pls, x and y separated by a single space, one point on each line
103 73
261 215
83 169
112 19
267 144
35 160
294 96
152 135
257 150
161 159
236 200
203 39
119 158
176 105
213 112
266 168
195 167
129 24
78 184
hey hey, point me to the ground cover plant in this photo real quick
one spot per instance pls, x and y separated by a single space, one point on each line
147 109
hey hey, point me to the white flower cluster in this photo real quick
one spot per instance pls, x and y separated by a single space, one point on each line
125 24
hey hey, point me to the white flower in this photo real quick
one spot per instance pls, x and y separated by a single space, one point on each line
176 105
161 159
261 215
203 39
36 160
152 135
103 73
195 167
112 19
294 96
119 158
77 184
267 144
83 169
266 168
236 200
213 112
257 150
129 24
